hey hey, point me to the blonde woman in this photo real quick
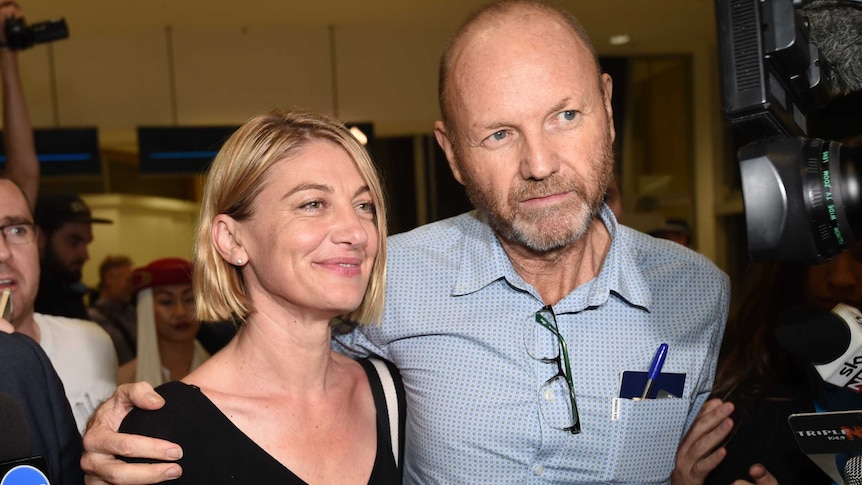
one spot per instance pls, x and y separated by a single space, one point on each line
292 239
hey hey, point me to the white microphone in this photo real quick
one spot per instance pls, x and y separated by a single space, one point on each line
832 341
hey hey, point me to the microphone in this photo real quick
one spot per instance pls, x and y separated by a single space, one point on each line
853 471
832 341
17 465
13 428
834 27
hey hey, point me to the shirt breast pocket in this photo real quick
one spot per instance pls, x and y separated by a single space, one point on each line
644 439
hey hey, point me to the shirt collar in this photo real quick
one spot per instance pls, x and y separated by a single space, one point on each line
484 261
621 272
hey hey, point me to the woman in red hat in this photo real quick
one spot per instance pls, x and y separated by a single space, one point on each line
167 349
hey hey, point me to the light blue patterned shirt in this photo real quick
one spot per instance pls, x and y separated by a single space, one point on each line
459 324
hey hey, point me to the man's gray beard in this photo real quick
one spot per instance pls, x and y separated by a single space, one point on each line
524 230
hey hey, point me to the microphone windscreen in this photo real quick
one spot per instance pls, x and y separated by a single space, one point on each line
836 28
15 441
853 471
815 336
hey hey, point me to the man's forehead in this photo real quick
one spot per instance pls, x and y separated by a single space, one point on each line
75 228
491 50
14 207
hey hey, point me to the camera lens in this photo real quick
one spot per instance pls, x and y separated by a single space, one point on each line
802 199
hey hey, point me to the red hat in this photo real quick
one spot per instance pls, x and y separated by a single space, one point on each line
161 272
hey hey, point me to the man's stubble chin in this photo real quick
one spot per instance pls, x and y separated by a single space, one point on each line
547 228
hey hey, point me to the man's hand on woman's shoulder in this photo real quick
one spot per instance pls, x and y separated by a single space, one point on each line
103 443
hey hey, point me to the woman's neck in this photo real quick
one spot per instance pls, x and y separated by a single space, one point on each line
276 352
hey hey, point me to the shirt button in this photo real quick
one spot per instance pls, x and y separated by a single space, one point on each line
539 470
549 394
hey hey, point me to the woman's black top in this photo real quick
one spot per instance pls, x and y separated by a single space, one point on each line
215 451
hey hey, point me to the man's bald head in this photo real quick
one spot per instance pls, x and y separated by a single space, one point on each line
493 15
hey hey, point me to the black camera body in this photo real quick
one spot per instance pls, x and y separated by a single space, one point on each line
21 36
802 196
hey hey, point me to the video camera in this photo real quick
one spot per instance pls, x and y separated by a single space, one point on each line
802 196
21 36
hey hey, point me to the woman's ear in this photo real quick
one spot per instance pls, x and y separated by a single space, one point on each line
225 241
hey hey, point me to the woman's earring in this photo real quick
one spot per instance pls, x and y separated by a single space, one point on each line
239 261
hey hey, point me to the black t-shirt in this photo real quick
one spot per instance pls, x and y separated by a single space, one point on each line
215 451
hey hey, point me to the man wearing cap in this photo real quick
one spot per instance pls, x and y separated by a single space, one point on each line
81 352
66 231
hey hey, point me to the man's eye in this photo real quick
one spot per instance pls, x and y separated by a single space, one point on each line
500 138
569 115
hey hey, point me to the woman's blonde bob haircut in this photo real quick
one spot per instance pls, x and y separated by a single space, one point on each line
238 174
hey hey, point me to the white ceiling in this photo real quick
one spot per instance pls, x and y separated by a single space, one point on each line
654 25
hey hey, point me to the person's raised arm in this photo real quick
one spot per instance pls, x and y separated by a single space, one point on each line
22 166
103 444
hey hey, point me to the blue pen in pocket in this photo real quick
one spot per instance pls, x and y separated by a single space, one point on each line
654 369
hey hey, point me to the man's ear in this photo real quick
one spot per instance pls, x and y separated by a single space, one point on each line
224 238
608 91
442 135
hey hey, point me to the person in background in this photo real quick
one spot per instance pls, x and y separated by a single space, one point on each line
167 349
113 309
766 383
65 224
513 324
674 229
80 351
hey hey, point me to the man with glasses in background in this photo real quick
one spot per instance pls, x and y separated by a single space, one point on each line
514 325
80 351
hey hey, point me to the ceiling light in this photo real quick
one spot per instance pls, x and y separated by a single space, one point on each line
357 133
620 39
